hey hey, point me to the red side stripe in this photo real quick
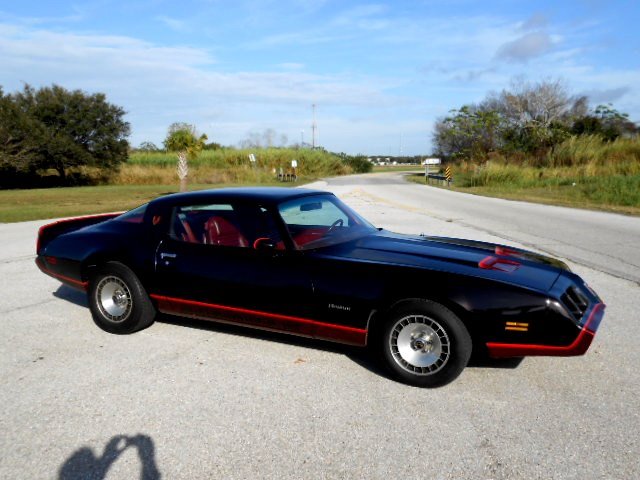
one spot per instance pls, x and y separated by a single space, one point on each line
63 278
281 323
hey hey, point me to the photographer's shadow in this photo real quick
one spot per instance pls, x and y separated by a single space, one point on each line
84 464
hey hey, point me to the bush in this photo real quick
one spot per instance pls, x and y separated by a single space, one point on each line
358 163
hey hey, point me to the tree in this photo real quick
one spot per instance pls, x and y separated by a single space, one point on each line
266 139
470 132
605 121
148 147
183 139
63 129
19 139
527 118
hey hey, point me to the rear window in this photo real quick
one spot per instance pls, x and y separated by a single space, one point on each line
133 216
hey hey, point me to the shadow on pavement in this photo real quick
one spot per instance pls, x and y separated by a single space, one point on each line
84 464
487 362
71 295
364 357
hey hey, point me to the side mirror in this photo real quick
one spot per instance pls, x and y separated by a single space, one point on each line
264 244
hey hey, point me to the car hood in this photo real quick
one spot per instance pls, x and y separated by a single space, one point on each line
459 256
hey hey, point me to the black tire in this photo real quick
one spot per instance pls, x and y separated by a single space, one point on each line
425 344
118 301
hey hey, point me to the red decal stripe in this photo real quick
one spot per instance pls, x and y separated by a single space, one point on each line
63 278
506 251
501 264
578 347
280 323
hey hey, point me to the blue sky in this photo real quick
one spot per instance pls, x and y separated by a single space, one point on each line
380 73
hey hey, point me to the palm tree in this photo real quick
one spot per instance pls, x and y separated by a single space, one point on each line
184 141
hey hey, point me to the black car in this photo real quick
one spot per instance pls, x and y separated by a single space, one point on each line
302 262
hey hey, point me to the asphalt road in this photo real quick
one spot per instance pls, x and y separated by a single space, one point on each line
604 241
191 400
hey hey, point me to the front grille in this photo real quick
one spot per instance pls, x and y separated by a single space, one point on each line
575 302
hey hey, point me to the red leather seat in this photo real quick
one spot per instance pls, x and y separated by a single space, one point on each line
219 231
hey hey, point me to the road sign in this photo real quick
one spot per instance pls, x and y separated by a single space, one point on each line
252 158
431 161
447 173
294 163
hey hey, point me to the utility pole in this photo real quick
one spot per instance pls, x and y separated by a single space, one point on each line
302 138
314 127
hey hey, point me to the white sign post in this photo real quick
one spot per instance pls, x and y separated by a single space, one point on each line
252 158
294 165
426 163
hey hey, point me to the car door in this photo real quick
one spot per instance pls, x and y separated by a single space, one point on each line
213 264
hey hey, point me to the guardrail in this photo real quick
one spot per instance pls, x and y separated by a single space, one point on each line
436 178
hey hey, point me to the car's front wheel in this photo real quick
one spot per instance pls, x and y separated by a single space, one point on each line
118 301
425 344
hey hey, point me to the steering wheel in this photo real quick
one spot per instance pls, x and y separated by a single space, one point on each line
338 223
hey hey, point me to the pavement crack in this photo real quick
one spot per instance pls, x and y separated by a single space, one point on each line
17 259
26 307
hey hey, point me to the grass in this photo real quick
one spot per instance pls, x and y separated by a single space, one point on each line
311 163
148 175
582 172
35 204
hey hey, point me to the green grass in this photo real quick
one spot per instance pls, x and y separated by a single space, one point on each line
35 204
615 193
312 163
583 172
148 175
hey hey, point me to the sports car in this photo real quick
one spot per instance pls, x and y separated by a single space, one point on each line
302 262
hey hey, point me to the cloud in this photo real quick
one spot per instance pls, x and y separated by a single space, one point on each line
609 95
161 84
365 17
525 48
536 21
77 16
172 23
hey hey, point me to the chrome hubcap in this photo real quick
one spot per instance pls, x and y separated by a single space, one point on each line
419 344
114 299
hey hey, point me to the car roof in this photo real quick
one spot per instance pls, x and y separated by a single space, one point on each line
270 195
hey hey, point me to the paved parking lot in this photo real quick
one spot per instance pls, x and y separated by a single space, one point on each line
186 399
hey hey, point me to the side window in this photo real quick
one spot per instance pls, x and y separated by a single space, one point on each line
258 222
210 224
226 225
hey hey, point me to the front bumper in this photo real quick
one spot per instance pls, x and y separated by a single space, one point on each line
578 347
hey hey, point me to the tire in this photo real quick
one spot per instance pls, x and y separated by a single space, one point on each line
425 344
118 301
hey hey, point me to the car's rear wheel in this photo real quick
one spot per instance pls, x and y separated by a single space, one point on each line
425 344
118 301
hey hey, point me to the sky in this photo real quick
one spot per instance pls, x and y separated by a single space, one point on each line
379 73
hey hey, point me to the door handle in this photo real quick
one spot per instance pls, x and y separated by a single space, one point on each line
167 255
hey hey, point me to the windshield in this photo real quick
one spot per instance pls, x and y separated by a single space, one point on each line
322 220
